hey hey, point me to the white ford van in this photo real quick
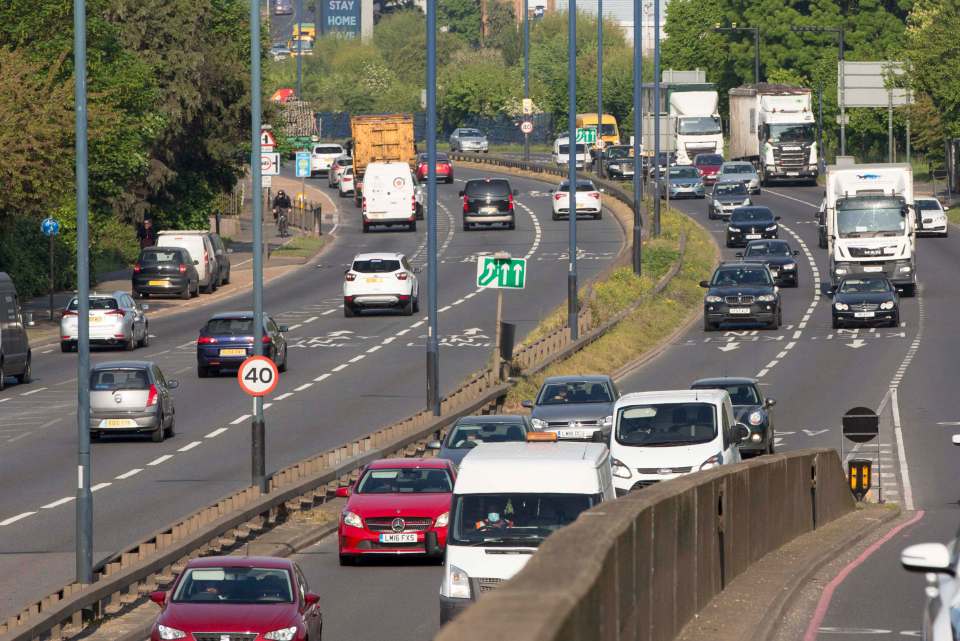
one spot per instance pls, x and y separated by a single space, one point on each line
201 250
389 195
508 498
660 435
561 153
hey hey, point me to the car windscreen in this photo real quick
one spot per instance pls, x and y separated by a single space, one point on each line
470 133
864 286
574 392
229 327
565 150
422 158
484 188
730 190
751 215
102 380
708 160
737 169
467 435
234 585
684 172
616 153
740 393
376 266
582 185
404 481
330 149
98 303
928 205
344 162
734 276
699 125
514 518
666 424
772 248
157 256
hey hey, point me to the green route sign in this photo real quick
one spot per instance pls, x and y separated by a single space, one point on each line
587 135
501 273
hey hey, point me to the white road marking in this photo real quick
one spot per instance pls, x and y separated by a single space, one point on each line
189 446
239 420
14 519
456 302
160 459
441 310
128 474
400 333
340 367
284 396
57 503
4 400
417 324
320 378
357 358
100 486
761 373
389 340
217 432
901 452
311 319
374 348
303 387
329 311
33 391
267 406
297 326
46 351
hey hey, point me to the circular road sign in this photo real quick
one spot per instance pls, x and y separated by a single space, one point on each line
526 127
50 227
861 425
258 376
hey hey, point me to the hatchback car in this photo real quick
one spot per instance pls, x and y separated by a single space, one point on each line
659 166
709 167
742 172
114 319
779 258
931 217
392 507
165 271
222 253
238 598
341 164
469 139
345 183
575 407
681 182
751 223
741 293
131 397
444 168
381 281
725 197
488 201
864 300
227 340
470 431
589 200
751 408
323 155
940 562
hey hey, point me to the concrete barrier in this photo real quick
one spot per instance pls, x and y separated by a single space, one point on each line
641 567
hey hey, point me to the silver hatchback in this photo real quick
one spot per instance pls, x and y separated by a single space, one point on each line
115 319
131 397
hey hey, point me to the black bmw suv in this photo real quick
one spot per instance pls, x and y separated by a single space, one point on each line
751 223
741 293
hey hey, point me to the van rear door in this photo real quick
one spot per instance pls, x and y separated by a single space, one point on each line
389 193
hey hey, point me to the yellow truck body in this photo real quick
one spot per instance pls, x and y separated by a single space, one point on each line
382 138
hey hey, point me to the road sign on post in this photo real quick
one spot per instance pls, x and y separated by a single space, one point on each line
50 228
501 273
586 135
526 127
270 164
267 141
303 164
258 376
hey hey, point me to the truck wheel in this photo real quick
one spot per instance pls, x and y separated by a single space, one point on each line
412 226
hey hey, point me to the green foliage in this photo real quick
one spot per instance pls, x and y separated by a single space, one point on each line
934 56
461 17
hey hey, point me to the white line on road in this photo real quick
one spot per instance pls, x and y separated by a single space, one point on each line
239 420
311 319
329 311
389 340
762 373
439 311
4 400
320 378
46 351
339 368
357 358
215 433
373 349
417 324
901 452
400 333
33 391
14 519
129 473
303 387
160 459
189 446
297 326
284 396
267 406
100 486
57 503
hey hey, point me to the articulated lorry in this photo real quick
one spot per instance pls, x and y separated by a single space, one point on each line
380 138
698 126
871 223
773 127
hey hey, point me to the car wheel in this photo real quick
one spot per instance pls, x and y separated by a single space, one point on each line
157 435
283 366
3 378
910 291
708 326
131 344
349 311
94 436
511 225
466 226
27 375
226 279
407 309
187 292
203 371
172 428
412 226
450 182
348 559
416 305
555 216
835 322
895 322
366 228
65 347
145 341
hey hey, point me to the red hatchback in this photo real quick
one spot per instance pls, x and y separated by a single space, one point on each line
238 598
393 505
444 168
709 167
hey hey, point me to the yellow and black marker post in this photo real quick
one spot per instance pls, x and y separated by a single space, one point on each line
859 472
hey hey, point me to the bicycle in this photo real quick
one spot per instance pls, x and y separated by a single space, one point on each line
282 222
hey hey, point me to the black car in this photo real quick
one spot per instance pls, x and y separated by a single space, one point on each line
165 271
750 408
227 340
470 431
779 258
223 258
488 201
751 223
741 293
618 162
865 300
577 408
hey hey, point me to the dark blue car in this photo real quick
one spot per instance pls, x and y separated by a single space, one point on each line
227 340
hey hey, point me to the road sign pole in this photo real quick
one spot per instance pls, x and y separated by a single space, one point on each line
433 343
572 305
599 143
637 134
258 430
299 49
51 275
496 353
526 72
656 118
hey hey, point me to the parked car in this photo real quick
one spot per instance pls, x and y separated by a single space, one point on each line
751 223
131 397
741 293
389 196
751 408
618 162
488 201
382 280
468 139
199 245
575 407
742 172
709 167
223 258
341 164
931 217
226 340
282 7
779 258
725 197
323 155
115 319
864 300
217 598
15 356
588 198
393 506
444 169
682 182
165 271
345 183
471 431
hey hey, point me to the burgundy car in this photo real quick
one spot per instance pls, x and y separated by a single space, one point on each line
238 599
444 168
709 167
393 505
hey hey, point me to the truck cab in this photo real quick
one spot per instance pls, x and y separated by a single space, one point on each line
698 126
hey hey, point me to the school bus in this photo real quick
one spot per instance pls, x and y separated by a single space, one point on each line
609 133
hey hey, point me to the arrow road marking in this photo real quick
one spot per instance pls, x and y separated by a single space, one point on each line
729 347
473 331
815 432
856 343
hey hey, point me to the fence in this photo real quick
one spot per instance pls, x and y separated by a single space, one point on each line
499 130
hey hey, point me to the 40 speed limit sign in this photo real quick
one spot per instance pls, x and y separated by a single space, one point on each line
258 376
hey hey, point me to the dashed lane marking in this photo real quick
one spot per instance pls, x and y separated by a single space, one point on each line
217 432
240 419
57 503
303 387
128 474
284 396
14 519
339 368
321 378
100 486
160 459
189 446
33 391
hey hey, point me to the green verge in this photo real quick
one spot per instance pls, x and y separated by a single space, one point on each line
954 215
300 247
645 328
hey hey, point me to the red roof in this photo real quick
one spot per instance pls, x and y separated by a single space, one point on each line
240 561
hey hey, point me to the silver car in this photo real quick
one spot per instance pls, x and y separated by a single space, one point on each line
115 319
337 168
468 139
131 397
740 171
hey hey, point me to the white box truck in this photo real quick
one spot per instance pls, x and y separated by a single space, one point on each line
871 223
773 127
698 126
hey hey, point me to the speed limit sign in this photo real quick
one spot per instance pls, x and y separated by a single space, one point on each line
258 376
526 127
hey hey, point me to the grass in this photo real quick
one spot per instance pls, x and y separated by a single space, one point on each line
300 247
518 148
954 215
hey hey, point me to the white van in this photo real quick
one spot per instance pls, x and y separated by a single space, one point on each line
389 195
322 156
661 435
508 497
561 153
201 250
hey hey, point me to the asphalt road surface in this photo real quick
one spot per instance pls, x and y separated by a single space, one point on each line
347 378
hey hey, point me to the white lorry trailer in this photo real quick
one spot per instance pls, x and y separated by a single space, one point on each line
773 127
698 126
871 223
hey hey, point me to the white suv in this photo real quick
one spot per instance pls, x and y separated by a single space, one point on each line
323 156
381 281
931 217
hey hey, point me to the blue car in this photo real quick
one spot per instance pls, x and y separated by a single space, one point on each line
227 340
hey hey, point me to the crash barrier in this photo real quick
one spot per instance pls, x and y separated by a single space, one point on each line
129 576
641 567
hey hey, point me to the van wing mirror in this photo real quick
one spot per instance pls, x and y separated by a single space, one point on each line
741 433
527 404
927 557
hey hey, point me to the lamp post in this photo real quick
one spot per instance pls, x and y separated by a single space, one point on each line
572 304
300 50
637 134
433 342
840 98
526 72
756 45
656 118
258 435
599 87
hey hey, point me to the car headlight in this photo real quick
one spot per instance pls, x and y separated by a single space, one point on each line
620 470
905 268
167 632
747 202
756 437
840 270
756 418
442 520
772 228
887 305
539 423
607 421
712 462
351 519
732 228
456 584
283 634
713 299
766 298
841 307
789 267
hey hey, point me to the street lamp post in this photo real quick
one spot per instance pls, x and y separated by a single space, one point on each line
840 97
637 134
572 304
599 86
656 118
756 45
258 434
433 342
526 72
299 49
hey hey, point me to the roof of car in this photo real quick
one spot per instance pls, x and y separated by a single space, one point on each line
222 315
724 380
378 256
492 418
738 163
104 294
762 208
743 264
182 232
122 365
587 378
532 467
271 562
409 463
672 396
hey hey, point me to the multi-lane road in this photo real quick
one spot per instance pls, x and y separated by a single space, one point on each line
347 378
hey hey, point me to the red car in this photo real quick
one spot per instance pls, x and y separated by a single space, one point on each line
709 167
444 168
393 505
229 597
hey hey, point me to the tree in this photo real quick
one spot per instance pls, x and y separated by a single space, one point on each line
461 17
933 56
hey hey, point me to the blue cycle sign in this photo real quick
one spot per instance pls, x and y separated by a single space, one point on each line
341 18
50 227
303 164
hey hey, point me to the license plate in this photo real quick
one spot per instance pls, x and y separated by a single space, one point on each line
739 310
793 173
574 434
157 283
753 236
872 268
96 319
118 422
864 314
398 538
233 352
373 279
488 210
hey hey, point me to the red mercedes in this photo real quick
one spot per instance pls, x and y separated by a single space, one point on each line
709 167
444 168
248 598
393 505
